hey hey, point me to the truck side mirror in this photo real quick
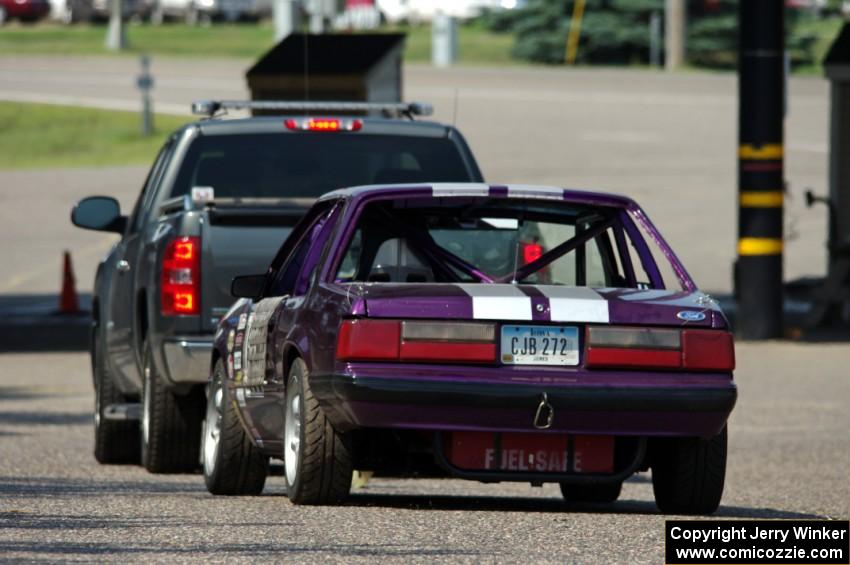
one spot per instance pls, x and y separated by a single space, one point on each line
100 213
248 286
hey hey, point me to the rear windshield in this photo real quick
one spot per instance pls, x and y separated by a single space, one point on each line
502 240
310 164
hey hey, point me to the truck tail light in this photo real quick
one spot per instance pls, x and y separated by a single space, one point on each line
693 350
323 124
180 281
394 340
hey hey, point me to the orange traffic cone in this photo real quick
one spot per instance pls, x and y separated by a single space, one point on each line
69 303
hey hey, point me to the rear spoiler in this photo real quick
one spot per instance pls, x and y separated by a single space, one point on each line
242 211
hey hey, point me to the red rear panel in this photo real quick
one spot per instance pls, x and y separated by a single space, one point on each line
529 452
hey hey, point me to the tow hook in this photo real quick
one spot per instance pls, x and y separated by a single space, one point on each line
545 414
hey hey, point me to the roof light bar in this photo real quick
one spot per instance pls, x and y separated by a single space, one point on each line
210 108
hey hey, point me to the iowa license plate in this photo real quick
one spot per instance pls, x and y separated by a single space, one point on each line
540 345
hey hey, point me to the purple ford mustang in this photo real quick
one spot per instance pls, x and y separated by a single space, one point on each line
495 333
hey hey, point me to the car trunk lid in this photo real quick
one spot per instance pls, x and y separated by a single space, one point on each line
540 304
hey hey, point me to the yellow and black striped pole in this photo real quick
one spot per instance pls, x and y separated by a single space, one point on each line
761 84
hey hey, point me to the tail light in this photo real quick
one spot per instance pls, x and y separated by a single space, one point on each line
693 350
323 124
394 340
181 277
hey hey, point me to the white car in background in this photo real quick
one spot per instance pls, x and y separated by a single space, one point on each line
194 11
416 11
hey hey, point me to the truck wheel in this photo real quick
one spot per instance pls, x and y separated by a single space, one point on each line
602 493
688 474
232 464
115 441
317 458
171 424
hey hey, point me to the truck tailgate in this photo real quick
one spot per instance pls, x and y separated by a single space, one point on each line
237 243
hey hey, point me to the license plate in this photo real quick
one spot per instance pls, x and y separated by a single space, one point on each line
540 345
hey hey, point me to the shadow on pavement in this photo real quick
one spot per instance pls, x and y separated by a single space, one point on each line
45 418
225 550
547 505
30 322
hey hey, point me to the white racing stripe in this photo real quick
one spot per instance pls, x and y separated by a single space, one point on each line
466 189
575 304
524 190
498 302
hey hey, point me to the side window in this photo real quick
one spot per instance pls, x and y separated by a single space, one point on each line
151 182
297 273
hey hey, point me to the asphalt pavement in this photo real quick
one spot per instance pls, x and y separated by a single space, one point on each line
788 454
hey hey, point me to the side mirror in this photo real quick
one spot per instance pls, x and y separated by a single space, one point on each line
248 286
101 213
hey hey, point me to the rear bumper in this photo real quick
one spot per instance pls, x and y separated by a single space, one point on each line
659 410
187 359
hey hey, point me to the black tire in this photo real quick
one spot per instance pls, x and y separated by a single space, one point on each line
233 465
688 474
171 423
603 493
115 441
323 465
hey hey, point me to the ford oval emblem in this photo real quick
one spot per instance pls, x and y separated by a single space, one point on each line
691 316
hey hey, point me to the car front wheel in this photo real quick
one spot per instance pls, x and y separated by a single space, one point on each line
171 423
688 474
317 458
232 463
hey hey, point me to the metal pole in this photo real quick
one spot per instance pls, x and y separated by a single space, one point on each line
285 16
116 38
655 39
674 33
761 85
443 40
317 16
145 84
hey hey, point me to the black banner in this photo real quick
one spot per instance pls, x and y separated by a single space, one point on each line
815 542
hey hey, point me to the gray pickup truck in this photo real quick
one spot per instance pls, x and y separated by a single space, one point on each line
219 200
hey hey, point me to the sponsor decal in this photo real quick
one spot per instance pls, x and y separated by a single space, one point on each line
243 321
237 360
240 336
256 337
230 365
238 377
231 338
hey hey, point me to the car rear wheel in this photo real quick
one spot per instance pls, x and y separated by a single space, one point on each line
232 463
317 458
115 441
688 474
171 423
602 493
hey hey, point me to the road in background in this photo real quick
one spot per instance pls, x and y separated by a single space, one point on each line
668 140
788 455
